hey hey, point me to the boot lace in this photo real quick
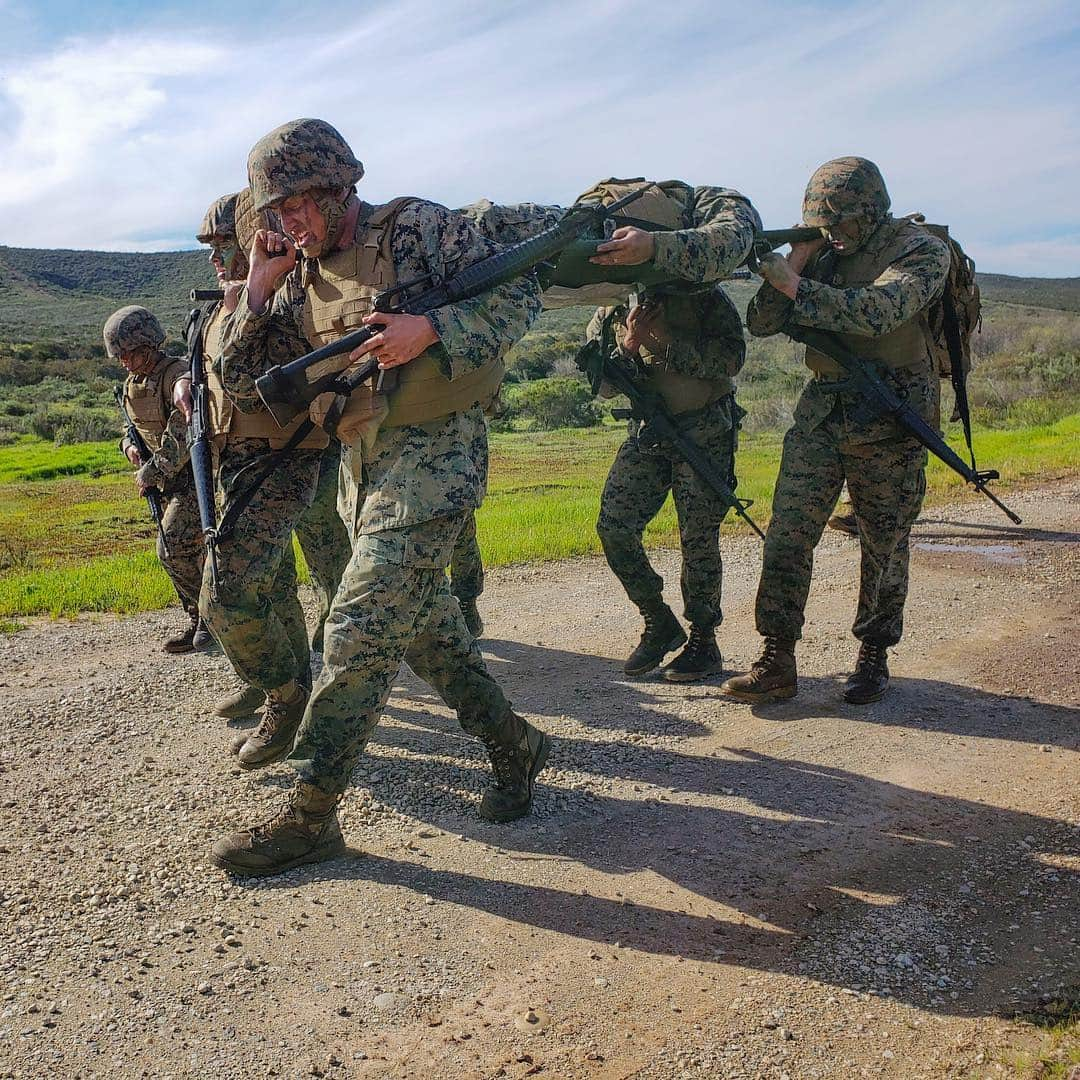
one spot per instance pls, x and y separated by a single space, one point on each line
700 639
872 659
272 715
768 656
286 815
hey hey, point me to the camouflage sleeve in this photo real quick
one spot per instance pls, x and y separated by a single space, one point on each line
768 312
428 238
724 227
252 343
895 297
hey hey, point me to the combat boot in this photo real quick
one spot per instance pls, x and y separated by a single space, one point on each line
845 523
272 740
204 641
662 634
518 752
700 659
472 618
772 677
183 640
243 704
304 830
870 679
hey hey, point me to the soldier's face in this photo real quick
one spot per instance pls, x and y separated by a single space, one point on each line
845 236
138 361
302 220
223 253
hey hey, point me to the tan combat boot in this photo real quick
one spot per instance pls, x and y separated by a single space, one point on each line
773 676
304 830
272 740
242 704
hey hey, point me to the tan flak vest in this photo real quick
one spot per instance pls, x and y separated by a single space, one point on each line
144 396
229 422
904 347
340 290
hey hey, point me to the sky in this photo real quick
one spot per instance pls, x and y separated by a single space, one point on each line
121 122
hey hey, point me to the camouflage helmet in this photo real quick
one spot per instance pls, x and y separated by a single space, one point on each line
132 328
299 156
220 220
248 220
847 187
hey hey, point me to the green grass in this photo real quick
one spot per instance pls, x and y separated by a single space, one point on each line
82 540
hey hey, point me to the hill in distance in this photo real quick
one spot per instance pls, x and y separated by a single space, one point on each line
68 295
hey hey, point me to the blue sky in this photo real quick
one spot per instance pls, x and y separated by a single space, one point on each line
120 122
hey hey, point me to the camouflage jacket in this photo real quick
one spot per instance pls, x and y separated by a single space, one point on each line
898 295
410 474
718 242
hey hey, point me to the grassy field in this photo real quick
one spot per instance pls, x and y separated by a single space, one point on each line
75 536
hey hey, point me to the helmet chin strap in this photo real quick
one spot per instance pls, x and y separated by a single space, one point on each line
333 205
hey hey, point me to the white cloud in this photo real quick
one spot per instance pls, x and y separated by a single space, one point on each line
121 142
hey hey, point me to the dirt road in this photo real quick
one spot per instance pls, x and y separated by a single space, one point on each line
704 890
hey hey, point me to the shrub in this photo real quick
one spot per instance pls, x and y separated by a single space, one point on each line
555 403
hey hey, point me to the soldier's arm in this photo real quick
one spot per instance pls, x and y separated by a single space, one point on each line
251 343
769 312
724 227
429 238
895 297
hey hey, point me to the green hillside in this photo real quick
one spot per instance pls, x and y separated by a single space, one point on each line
67 295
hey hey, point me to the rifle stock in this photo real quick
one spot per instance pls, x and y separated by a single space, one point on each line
153 495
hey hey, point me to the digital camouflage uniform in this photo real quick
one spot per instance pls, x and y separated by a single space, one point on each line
256 615
872 295
407 492
148 399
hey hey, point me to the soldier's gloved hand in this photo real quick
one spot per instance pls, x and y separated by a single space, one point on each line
779 274
181 396
147 477
132 455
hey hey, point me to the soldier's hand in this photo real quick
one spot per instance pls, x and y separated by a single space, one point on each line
776 270
133 456
181 397
801 254
403 338
628 246
272 257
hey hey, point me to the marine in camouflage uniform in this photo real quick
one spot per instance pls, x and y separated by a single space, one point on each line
135 337
412 471
688 337
869 285
255 612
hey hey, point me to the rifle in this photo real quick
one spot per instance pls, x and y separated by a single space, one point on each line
876 398
202 463
153 495
199 296
287 389
770 239
603 362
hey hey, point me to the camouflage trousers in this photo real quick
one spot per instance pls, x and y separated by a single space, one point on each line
466 564
257 617
324 540
393 604
183 538
636 487
885 474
